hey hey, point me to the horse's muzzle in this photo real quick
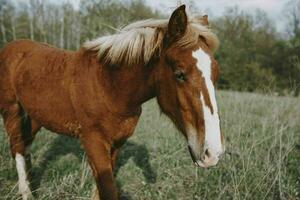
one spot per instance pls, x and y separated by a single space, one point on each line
208 159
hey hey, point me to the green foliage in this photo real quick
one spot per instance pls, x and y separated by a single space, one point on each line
252 56
245 45
104 16
64 26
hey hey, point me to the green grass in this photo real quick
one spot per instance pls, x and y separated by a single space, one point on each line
262 161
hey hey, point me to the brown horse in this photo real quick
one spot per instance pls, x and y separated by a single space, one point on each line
96 93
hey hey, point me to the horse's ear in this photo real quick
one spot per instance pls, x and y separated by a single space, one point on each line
205 20
202 20
177 24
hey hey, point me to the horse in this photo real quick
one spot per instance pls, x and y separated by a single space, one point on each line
95 93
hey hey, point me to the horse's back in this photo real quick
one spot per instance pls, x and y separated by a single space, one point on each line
38 77
13 50
15 55
17 52
22 45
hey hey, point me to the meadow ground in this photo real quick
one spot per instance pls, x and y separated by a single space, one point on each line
262 160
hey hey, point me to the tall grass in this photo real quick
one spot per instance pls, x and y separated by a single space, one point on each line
262 159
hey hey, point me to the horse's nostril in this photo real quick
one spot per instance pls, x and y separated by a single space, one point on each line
207 153
209 158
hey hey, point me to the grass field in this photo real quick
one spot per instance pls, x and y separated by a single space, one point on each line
262 161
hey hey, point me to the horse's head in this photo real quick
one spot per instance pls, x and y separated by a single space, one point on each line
186 90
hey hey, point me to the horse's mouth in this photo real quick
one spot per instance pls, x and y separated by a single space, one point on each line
196 162
192 155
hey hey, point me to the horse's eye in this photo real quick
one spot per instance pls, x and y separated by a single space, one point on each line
180 76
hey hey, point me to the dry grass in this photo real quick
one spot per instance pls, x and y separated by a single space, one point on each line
262 160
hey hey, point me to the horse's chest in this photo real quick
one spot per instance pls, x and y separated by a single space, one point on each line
125 128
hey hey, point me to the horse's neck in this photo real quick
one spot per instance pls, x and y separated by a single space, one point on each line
131 85
125 86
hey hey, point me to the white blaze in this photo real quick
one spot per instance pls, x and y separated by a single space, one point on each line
23 181
211 120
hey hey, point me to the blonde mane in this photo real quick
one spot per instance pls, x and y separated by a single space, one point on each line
140 40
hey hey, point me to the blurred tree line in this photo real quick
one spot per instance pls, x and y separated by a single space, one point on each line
253 56
64 26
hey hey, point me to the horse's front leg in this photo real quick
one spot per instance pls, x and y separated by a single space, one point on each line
99 156
115 150
114 154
